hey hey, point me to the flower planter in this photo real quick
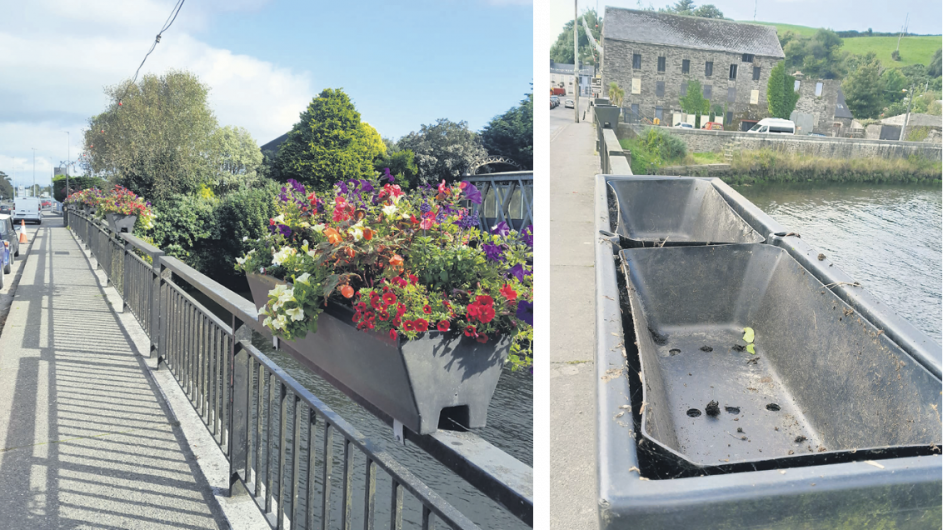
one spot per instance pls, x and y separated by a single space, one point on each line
413 381
120 222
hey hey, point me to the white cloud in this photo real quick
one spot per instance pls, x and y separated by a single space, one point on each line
54 80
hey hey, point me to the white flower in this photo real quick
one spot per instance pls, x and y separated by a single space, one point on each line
267 322
282 255
389 210
357 231
296 314
245 238
280 219
318 227
303 278
240 261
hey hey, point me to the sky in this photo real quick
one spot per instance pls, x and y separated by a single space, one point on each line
879 15
403 64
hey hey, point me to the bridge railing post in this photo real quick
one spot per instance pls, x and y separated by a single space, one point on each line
153 317
239 413
158 319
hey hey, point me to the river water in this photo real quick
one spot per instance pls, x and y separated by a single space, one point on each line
888 237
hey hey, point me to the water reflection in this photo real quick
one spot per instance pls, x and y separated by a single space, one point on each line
888 237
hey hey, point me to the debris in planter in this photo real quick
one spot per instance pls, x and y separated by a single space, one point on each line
659 339
732 410
738 347
800 439
739 429
821 257
748 335
712 409
873 463
707 349
751 349
822 449
694 413
753 360
791 452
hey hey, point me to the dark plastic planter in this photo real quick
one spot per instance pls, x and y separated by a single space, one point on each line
121 223
675 212
889 490
607 115
415 381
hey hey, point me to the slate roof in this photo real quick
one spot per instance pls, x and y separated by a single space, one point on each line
274 144
650 27
841 108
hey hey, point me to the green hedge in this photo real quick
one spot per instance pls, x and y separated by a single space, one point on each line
771 166
76 184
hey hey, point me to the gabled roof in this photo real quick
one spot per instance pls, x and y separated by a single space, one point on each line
841 108
274 144
650 27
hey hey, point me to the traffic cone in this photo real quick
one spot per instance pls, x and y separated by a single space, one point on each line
23 231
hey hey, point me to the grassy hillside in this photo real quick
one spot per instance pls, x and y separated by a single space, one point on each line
913 50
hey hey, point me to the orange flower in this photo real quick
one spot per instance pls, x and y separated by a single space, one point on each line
332 236
347 291
367 234
396 260
349 251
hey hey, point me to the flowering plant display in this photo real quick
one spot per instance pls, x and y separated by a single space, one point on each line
91 197
405 263
123 201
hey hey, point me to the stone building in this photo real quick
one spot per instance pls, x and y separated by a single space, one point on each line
561 75
817 106
653 56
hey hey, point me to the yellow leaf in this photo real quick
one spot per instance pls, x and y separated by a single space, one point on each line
750 349
748 334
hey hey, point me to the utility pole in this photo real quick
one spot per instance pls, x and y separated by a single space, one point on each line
754 10
902 31
34 171
903 130
576 62
68 161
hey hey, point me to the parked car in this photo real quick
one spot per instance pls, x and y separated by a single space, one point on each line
6 209
28 209
684 125
9 239
713 126
774 126
554 101
569 104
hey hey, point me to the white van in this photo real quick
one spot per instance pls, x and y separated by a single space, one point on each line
27 208
774 126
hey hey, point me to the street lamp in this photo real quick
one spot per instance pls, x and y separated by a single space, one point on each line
34 171
68 161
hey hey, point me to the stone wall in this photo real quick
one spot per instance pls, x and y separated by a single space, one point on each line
822 107
617 68
714 141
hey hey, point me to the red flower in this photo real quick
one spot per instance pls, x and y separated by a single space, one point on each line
486 314
393 334
443 326
484 300
409 325
384 315
473 310
271 222
396 322
413 279
470 331
482 338
400 310
389 298
421 324
509 292
370 316
426 309
375 301
357 316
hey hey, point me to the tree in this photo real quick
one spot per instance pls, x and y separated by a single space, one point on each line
402 165
935 68
562 49
616 94
444 150
75 184
328 144
234 158
687 8
154 136
781 95
864 89
683 7
512 134
708 11
895 84
6 186
694 102
818 56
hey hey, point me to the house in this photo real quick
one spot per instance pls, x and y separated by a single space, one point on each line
561 76
843 118
817 106
653 56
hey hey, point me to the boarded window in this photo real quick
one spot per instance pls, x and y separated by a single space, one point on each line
659 114
818 89
731 95
756 73
661 64
795 86
635 110
659 89
637 61
733 71
636 86
708 68
754 97
684 88
707 91
747 58
729 117
686 66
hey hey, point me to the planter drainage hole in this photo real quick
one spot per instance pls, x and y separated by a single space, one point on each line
694 413
674 351
773 407
454 418
732 410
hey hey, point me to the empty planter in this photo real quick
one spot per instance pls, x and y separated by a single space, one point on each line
823 386
676 212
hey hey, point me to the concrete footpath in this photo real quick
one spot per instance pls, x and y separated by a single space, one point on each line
88 436
573 167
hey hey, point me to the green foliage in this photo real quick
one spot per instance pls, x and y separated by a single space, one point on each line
864 89
781 96
895 55
616 94
235 158
894 85
75 184
562 49
240 217
184 226
817 56
328 144
402 165
156 142
653 149
6 186
918 134
512 134
443 150
694 101
935 66
687 8
766 165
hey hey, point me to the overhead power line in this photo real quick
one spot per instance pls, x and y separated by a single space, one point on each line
167 23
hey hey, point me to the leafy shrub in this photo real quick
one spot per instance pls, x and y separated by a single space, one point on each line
75 184
184 223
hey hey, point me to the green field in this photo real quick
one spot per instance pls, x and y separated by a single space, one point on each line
913 50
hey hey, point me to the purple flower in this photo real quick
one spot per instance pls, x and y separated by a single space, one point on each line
342 186
472 193
388 175
502 229
527 236
425 208
365 186
519 272
493 252
525 312
295 185
284 230
467 221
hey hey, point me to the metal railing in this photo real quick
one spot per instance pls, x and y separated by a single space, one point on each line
305 466
507 197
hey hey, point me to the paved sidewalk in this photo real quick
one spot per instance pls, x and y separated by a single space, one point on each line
86 439
573 167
